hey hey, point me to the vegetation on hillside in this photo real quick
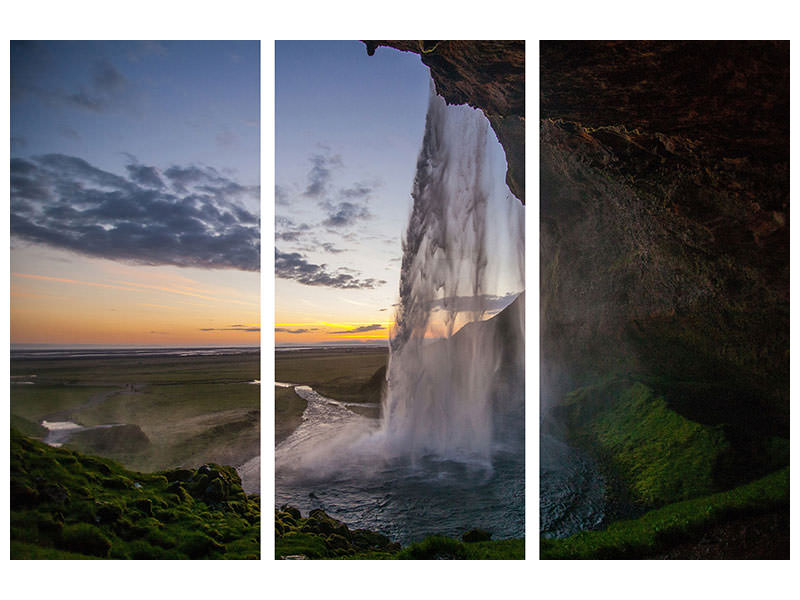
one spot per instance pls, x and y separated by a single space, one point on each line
65 504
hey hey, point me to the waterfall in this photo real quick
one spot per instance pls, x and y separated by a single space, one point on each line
444 396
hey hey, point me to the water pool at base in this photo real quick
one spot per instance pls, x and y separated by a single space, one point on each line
407 502
571 490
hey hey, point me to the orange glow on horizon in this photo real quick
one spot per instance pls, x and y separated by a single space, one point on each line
83 307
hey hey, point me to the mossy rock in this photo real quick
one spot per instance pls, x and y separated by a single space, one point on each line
476 535
199 545
107 512
291 510
85 539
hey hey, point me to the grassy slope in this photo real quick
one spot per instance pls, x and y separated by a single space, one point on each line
662 456
68 505
666 461
663 527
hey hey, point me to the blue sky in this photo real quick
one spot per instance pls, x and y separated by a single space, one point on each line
135 193
162 102
348 128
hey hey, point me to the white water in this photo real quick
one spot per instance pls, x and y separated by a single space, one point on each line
440 396
439 438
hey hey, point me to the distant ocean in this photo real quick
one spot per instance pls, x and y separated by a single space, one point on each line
21 352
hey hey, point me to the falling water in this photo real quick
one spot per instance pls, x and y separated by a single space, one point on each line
442 396
447 453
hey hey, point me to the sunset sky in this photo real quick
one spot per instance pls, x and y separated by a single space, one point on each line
135 193
348 131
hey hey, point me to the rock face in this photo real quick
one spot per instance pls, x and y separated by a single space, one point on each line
665 216
489 75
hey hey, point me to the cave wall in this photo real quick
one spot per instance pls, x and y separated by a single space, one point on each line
489 75
664 181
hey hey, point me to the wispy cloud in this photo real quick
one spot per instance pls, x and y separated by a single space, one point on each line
319 176
344 214
363 329
189 216
292 265
294 331
250 328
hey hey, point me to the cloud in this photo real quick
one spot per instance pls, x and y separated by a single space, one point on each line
292 265
319 176
106 89
359 190
281 196
331 249
187 216
363 329
485 302
285 330
146 176
344 214
287 230
232 328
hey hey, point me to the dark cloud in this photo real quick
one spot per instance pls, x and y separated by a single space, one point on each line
359 190
284 330
107 88
344 214
363 329
287 230
331 249
146 176
233 328
292 265
65 202
319 176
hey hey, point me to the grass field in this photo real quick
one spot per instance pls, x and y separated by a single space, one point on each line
193 409
342 373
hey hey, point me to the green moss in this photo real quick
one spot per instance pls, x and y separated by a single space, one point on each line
297 543
84 538
434 547
659 528
662 456
66 505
